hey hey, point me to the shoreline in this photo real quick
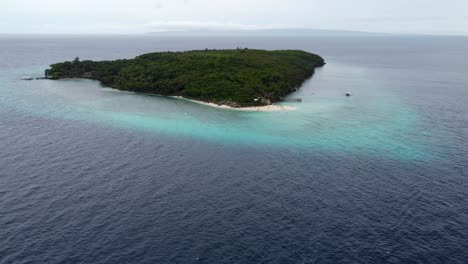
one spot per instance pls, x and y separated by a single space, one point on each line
265 108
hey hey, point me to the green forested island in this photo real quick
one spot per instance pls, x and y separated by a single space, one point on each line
240 77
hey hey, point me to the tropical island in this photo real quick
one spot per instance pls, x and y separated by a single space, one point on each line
236 78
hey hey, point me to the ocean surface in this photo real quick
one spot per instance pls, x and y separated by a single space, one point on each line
90 174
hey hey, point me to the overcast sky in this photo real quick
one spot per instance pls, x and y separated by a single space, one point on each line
140 16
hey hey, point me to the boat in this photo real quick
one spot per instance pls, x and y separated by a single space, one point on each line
27 78
348 94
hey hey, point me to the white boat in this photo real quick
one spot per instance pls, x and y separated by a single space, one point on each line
27 78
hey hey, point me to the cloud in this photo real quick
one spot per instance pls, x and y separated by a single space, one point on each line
138 16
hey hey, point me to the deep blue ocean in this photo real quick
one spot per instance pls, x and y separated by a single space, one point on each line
89 174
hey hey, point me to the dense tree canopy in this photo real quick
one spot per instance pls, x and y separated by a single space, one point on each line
240 77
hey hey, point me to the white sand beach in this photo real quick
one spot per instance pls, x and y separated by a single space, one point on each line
265 108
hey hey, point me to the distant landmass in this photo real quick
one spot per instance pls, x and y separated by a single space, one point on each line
238 78
293 32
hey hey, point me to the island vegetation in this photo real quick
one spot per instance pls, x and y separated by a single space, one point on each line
238 78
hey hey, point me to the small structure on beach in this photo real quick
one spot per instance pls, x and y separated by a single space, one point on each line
293 100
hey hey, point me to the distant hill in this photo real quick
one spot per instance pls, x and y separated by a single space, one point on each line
240 77
265 33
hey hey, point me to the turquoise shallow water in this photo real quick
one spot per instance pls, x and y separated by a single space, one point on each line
370 121
89 174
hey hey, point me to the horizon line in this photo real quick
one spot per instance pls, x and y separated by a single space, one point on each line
238 32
